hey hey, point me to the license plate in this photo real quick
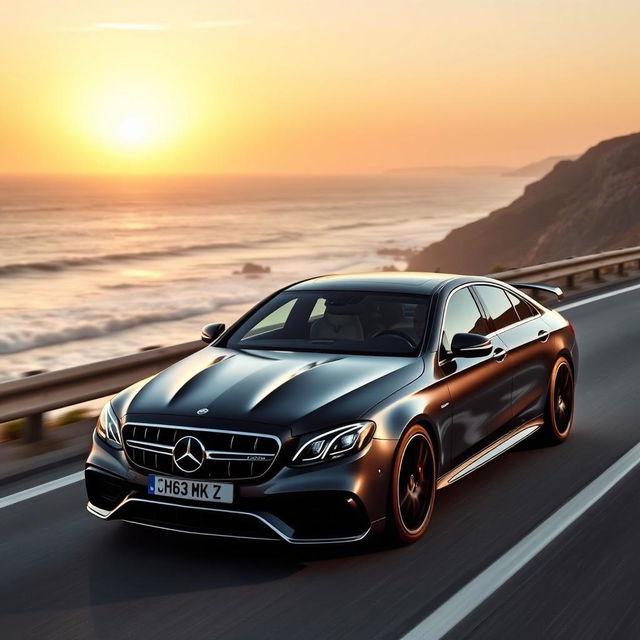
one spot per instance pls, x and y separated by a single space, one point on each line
190 489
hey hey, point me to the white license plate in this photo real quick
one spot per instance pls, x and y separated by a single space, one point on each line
190 489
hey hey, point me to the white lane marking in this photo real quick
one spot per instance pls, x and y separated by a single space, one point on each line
601 296
473 594
7 501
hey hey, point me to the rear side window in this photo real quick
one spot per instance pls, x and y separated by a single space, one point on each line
498 306
522 307
462 316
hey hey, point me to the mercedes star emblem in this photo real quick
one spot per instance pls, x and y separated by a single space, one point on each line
189 454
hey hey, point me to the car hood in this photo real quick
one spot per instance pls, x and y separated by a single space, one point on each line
301 391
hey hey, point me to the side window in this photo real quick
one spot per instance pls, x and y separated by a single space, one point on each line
498 306
462 316
523 308
274 321
318 309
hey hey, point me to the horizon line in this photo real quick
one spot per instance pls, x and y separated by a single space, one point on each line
377 172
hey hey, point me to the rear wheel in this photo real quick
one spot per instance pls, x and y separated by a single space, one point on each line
560 403
413 486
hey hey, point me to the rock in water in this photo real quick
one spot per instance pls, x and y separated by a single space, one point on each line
250 268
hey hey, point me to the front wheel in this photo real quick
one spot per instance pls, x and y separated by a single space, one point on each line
413 486
560 403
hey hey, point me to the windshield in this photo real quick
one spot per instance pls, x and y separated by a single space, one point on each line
336 322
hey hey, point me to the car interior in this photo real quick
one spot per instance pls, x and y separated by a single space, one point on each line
364 322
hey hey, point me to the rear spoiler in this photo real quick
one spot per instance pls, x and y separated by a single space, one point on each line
556 291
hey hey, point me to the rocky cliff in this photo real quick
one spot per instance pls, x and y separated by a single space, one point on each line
582 206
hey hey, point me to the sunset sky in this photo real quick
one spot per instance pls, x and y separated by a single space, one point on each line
289 86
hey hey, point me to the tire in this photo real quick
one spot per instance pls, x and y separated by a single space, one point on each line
560 406
413 487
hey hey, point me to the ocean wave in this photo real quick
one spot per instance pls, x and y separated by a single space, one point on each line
117 286
33 208
97 324
284 236
361 225
61 264
130 285
357 206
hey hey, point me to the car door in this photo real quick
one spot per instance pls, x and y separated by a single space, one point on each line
525 335
479 387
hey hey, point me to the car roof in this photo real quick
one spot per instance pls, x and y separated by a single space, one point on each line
389 281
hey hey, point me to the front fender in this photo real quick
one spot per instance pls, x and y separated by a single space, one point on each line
420 402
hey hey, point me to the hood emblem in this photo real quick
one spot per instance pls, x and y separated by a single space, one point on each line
202 411
189 454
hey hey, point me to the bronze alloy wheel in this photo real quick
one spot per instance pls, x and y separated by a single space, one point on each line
560 403
413 486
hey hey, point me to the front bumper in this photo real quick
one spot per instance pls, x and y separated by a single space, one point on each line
341 501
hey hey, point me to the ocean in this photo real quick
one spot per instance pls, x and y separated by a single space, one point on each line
96 267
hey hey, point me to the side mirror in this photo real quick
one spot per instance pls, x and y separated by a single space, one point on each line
470 345
211 331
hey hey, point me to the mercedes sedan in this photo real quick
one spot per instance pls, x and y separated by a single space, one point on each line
335 409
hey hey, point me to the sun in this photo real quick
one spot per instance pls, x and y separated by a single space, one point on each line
132 122
133 130
127 120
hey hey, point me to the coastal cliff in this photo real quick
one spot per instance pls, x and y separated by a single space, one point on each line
582 206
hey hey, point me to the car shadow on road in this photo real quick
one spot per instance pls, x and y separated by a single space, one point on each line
137 562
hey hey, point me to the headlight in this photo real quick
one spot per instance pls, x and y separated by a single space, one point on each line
335 443
108 427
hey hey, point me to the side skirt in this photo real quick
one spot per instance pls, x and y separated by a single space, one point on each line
487 454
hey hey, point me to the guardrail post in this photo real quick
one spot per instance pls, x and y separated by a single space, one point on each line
621 271
34 424
571 281
596 275
34 428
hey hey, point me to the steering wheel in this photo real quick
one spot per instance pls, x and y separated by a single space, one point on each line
397 334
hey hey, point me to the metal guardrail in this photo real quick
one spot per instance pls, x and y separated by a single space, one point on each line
571 267
32 396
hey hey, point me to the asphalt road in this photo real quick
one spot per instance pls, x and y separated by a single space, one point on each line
64 574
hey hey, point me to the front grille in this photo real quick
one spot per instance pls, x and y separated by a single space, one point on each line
230 455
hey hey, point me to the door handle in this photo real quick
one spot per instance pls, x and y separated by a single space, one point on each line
499 354
543 335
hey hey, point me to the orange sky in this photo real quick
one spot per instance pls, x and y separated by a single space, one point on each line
284 86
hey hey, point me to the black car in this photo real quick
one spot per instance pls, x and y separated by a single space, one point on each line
335 409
